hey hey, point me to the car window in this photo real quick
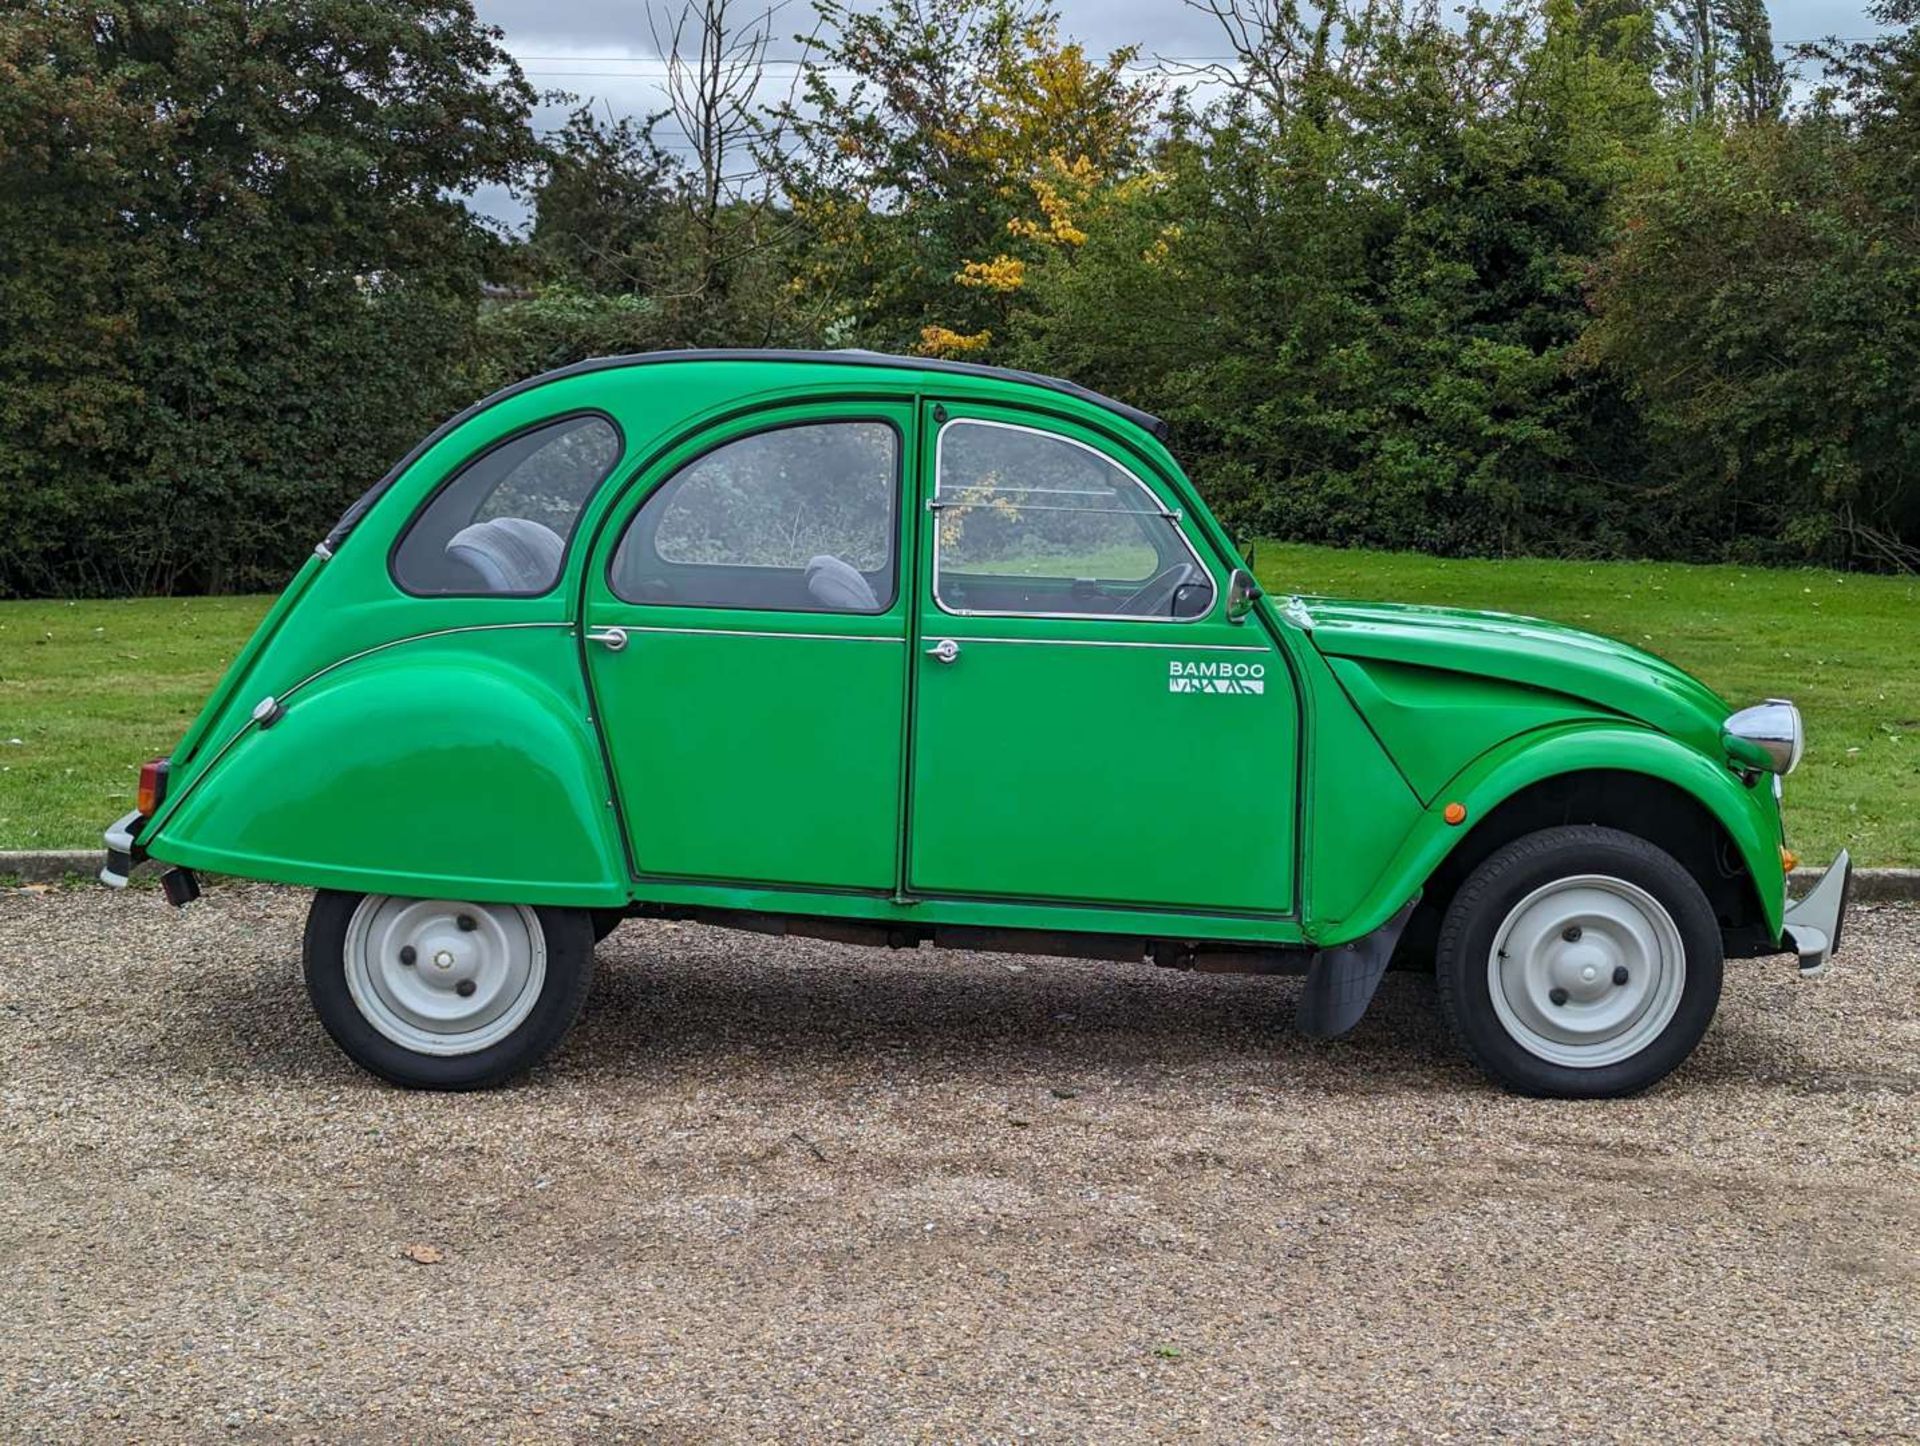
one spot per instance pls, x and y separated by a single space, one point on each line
799 518
1036 524
501 525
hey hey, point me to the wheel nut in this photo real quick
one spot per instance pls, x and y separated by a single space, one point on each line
1571 933
1557 995
1620 975
464 988
407 956
466 923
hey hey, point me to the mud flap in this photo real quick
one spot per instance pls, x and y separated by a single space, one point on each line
1341 980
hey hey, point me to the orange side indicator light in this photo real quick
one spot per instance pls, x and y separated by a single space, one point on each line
1789 860
1454 813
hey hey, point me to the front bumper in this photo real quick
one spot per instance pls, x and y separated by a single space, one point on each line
1811 926
121 853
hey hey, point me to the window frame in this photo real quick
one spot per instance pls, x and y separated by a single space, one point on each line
480 454
649 495
1173 516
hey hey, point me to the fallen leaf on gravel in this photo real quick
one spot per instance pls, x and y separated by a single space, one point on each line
424 1254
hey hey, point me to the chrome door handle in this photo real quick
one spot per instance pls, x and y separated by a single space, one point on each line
946 650
613 639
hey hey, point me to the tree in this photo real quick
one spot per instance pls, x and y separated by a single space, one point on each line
235 271
1719 59
1560 275
965 131
639 248
714 71
1870 90
1764 303
600 201
1355 287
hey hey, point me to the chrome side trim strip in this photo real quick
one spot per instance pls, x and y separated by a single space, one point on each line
877 638
410 638
1115 643
1068 617
762 633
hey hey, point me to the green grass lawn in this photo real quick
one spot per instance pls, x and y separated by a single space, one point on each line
88 690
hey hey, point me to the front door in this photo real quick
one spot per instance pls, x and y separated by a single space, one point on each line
1088 725
746 641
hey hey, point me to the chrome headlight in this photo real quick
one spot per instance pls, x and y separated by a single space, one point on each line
1768 735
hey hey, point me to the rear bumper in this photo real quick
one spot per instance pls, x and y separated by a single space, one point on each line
1811 926
122 855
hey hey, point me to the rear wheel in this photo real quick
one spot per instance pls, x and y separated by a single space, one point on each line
444 994
1579 962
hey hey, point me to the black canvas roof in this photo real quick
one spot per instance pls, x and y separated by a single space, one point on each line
853 356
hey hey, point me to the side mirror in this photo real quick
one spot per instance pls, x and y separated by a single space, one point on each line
1241 591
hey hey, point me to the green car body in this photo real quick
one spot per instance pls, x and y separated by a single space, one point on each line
1232 771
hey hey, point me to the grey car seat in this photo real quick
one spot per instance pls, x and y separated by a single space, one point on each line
511 554
838 585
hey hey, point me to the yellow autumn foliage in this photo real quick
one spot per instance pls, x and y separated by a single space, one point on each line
1003 273
944 342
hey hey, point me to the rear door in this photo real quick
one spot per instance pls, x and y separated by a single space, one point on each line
1088 725
746 626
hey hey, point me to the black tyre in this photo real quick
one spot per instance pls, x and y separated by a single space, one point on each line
439 994
1579 962
605 921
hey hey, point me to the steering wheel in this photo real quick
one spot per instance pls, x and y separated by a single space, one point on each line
1156 592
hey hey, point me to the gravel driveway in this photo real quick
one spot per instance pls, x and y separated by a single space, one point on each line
785 1190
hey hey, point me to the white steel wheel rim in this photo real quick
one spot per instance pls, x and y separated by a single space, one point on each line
438 976
1587 971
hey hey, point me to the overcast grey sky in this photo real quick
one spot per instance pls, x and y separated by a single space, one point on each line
620 26
602 50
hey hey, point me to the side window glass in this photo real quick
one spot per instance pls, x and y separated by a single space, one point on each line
1038 525
502 524
797 519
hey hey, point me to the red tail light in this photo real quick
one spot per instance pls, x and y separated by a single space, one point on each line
153 786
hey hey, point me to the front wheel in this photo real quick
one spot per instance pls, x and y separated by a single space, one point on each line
443 994
1579 962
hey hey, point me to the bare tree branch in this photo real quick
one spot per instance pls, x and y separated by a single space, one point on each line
714 70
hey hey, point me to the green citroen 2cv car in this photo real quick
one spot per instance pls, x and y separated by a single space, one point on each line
890 650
